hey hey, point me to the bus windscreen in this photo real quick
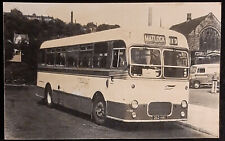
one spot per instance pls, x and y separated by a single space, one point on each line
145 62
175 63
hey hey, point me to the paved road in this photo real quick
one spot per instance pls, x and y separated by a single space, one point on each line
26 117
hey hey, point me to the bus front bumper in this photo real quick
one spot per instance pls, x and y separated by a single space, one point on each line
123 112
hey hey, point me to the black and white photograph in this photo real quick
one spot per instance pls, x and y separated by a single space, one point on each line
111 70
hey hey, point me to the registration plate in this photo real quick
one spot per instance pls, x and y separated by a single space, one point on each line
159 117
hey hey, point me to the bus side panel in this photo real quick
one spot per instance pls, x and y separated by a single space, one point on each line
74 91
40 84
79 103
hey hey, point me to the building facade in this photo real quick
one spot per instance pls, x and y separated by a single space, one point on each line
204 38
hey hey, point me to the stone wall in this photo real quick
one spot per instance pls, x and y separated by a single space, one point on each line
194 37
193 41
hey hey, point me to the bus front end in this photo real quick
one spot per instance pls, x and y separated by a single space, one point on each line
158 86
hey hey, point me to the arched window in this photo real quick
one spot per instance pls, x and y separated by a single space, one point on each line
209 39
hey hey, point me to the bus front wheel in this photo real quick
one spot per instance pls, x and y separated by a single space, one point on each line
99 111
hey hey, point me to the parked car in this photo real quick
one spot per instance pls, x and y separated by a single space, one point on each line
203 75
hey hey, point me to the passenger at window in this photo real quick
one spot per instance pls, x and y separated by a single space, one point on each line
90 62
122 61
103 62
155 58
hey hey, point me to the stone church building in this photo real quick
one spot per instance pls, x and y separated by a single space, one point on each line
204 38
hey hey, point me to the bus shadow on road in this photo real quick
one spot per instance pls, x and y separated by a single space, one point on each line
118 125
66 110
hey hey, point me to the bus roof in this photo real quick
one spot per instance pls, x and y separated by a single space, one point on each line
129 36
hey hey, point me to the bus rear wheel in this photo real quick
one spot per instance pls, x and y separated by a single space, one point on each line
99 111
48 97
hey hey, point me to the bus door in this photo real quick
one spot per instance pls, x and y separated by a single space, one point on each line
118 71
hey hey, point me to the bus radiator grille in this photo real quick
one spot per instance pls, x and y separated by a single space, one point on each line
159 108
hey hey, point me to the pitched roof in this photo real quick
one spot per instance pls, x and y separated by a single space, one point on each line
186 27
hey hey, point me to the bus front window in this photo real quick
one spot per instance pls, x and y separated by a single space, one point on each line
119 58
145 62
175 63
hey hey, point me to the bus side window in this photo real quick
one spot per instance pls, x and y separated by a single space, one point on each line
60 59
115 58
119 54
100 55
72 57
50 57
86 56
119 58
41 57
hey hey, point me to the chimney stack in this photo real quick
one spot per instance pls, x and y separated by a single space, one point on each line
71 16
188 16
149 16
160 22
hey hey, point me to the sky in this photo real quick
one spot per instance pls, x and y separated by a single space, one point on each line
124 14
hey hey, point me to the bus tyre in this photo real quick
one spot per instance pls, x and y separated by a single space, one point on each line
196 84
48 97
99 111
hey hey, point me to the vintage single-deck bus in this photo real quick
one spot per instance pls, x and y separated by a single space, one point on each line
126 75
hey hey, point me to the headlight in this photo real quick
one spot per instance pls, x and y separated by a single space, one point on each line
134 104
182 114
184 104
185 72
133 114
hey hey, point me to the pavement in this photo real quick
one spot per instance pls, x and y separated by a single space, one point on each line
202 118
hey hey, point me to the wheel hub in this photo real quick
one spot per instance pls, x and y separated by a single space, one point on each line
196 85
100 111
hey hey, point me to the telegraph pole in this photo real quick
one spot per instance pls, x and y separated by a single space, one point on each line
71 17
149 16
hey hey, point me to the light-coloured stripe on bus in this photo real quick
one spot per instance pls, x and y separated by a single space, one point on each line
125 76
102 76
66 73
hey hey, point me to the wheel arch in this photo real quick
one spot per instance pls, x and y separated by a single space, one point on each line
98 94
48 86
196 81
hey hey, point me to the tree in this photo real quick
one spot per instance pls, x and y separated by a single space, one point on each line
39 31
106 27
9 50
91 27
14 22
17 13
73 29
